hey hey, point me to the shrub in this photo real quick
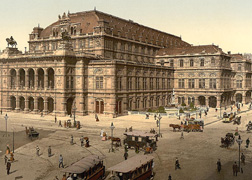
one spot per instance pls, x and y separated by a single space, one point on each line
181 110
161 109
191 105
149 110
183 104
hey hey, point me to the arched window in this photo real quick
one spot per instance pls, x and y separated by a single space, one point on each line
181 62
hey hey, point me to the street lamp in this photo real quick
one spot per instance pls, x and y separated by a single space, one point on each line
239 141
6 117
74 113
220 110
159 118
112 127
13 140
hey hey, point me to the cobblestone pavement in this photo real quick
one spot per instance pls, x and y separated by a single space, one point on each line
198 152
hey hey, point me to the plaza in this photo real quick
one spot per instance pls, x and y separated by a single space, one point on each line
198 152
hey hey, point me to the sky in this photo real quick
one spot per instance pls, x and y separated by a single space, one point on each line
226 23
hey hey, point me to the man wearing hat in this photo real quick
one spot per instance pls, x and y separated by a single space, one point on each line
8 166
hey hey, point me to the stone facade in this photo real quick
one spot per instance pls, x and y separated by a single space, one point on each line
106 67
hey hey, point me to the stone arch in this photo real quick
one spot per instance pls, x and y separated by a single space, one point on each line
22 103
13 102
22 77
202 100
31 78
238 97
13 75
41 75
40 104
212 101
50 81
69 105
31 103
50 104
248 97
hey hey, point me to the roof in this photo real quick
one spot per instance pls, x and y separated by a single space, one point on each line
126 28
139 133
237 56
84 164
131 164
204 49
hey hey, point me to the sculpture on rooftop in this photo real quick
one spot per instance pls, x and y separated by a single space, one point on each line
65 36
11 41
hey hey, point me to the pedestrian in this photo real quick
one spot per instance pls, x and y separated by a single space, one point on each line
96 118
126 155
41 114
225 108
49 151
64 177
37 150
71 141
247 143
218 165
5 159
177 165
207 109
179 116
87 143
200 114
157 122
243 158
56 178
169 177
75 177
8 166
137 149
55 119
69 177
235 169
231 108
205 113
216 109
1 112
182 135
82 141
155 116
147 116
242 104
61 161
60 125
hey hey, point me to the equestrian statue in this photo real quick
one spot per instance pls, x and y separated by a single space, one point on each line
11 41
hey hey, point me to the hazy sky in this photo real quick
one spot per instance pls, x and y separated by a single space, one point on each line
227 23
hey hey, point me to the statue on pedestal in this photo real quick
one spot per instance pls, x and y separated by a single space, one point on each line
11 41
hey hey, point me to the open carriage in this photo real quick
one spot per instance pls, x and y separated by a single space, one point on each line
228 140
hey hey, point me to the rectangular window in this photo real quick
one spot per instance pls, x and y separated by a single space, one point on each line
137 83
119 83
129 83
171 63
157 83
163 83
181 63
191 83
212 83
168 83
239 83
181 83
99 82
202 83
151 83
202 62
191 63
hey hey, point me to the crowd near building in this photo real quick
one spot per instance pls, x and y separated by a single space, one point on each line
108 65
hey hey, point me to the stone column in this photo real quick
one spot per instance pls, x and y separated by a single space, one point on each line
26 79
36 80
45 111
218 100
46 80
17 109
26 109
207 100
35 105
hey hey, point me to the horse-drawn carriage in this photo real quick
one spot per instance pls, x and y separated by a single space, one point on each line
193 128
138 139
228 140
228 117
31 133
237 120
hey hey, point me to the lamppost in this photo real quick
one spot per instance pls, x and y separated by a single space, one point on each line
13 140
239 141
6 117
112 127
74 113
159 118
220 110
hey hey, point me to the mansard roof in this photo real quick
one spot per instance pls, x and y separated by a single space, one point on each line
119 27
190 50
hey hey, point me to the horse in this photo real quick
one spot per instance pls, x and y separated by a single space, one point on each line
11 42
116 140
175 126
